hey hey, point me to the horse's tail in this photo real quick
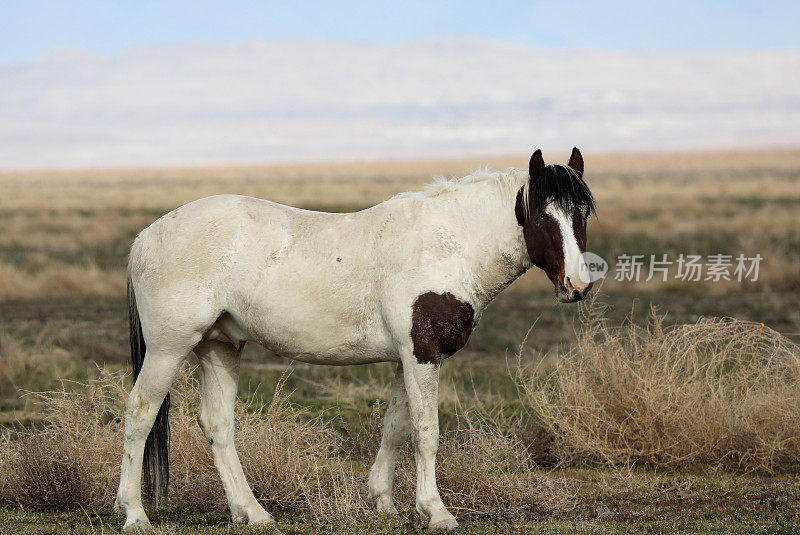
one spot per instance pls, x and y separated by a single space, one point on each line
156 448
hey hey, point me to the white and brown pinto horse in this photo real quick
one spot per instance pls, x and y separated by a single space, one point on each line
404 281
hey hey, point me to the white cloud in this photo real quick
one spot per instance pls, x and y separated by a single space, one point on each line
301 100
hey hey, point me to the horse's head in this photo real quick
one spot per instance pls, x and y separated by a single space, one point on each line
553 209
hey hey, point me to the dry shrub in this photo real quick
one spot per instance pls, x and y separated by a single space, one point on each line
482 470
74 462
49 476
719 391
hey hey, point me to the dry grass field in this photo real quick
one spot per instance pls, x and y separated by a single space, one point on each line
634 412
65 234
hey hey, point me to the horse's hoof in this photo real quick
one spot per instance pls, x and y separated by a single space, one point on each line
384 505
447 523
252 514
261 520
265 521
132 525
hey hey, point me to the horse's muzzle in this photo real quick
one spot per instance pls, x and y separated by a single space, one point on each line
571 295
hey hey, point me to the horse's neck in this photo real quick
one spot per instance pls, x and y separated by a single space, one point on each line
493 246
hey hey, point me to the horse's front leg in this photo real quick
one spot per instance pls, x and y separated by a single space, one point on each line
396 428
422 387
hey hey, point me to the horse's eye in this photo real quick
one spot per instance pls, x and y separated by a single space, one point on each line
544 217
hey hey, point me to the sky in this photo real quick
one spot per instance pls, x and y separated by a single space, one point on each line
120 83
32 28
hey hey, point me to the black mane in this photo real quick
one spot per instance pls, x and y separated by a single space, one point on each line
563 186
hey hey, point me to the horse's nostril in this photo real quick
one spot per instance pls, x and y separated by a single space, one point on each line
576 295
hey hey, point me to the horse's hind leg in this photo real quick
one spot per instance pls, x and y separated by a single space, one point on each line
156 376
220 364
396 430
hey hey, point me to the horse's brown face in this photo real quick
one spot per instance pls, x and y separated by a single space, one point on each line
555 230
548 242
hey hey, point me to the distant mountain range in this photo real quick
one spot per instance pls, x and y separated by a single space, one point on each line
201 103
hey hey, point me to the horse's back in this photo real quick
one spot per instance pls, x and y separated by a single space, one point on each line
197 240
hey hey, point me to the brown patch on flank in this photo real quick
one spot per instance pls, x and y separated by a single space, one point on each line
440 326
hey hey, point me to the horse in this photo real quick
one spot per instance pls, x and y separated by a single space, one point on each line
405 281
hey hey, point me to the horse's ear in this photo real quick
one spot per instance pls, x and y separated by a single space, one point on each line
536 167
576 160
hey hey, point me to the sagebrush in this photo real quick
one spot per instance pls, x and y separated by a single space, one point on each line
718 391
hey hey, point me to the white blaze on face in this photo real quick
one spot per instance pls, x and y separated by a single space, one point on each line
572 253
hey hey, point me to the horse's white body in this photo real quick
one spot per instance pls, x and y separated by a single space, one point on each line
316 287
321 287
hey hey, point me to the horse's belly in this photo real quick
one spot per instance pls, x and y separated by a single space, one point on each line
321 335
346 356
333 351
